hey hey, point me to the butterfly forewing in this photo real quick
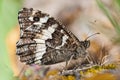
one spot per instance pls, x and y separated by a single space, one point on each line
44 40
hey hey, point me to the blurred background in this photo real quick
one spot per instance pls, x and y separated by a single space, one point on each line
82 17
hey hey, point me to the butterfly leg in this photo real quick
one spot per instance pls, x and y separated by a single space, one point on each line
68 62
82 62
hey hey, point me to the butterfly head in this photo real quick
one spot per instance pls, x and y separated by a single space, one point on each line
86 42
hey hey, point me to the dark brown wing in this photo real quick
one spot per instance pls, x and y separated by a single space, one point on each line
44 40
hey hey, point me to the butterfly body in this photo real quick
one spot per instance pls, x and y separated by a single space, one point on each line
43 40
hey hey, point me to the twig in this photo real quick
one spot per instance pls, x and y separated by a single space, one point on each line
72 72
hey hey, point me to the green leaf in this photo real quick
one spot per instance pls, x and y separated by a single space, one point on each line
110 17
8 20
118 2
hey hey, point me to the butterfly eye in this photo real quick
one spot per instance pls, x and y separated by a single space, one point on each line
36 19
87 43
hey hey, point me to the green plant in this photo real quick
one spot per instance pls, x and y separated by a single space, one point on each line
8 19
112 13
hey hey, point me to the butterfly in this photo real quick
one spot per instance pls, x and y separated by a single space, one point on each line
44 40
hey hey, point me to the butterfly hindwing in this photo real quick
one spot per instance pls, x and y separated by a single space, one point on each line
44 40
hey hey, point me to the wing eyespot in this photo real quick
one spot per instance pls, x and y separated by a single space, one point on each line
36 19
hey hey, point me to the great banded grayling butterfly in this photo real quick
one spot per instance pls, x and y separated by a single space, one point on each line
44 40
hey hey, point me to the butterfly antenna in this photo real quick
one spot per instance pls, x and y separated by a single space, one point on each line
92 35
